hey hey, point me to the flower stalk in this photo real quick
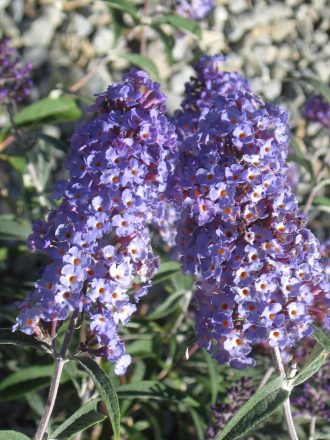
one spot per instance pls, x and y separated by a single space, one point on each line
59 364
286 405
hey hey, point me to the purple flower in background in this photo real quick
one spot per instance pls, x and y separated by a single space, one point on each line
318 109
325 255
194 9
15 76
98 239
311 399
241 233
234 399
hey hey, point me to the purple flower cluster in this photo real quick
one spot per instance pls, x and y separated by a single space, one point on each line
209 79
318 109
241 233
98 240
312 398
15 77
235 398
194 9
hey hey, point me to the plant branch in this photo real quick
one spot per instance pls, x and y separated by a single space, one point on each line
312 427
286 405
59 364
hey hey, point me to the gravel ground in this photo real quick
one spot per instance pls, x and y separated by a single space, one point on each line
269 41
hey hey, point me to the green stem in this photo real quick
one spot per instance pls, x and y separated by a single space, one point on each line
59 364
286 405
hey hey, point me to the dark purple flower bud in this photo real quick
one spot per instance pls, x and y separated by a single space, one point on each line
15 76
318 109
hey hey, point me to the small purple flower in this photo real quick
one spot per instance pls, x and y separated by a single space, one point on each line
194 9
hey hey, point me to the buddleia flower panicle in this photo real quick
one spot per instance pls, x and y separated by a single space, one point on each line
241 232
194 9
97 240
317 109
15 76
209 79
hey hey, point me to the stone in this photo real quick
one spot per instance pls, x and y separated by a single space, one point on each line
80 26
103 41
42 29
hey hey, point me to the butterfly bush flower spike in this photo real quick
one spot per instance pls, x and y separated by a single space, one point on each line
242 235
98 240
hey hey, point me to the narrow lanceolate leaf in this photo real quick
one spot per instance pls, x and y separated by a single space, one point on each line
59 109
124 6
312 365
106 390
26 380
322 338
213 375
85 417
7 336
152 389
181 23
142 62
13 435
261 406
10 229
318 86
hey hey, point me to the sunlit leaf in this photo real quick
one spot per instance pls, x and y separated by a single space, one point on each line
261 406
85 417
142 62
181 23
106 390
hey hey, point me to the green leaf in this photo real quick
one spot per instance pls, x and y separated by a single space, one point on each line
312 365
181 23
318 86
106 390
17 162
199 425
85 417
153 389
261 406
13 435
7 336
322 338
142 62
62 109
213 369
124 6
167 307
321 201
168 41
10 229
